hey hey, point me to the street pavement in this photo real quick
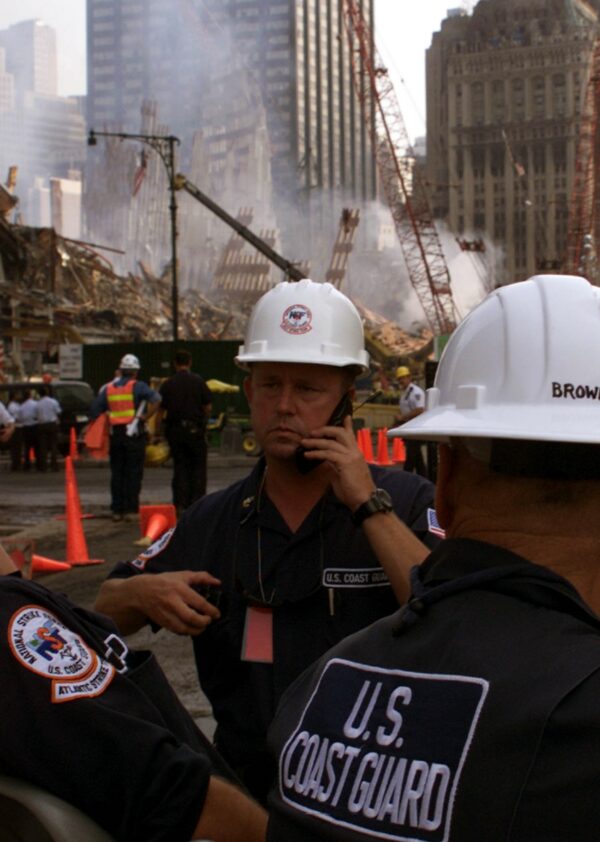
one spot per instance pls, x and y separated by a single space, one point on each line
32 507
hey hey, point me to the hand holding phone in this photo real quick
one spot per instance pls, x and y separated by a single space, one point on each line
343 408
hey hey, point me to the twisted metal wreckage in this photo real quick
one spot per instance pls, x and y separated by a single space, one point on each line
55 290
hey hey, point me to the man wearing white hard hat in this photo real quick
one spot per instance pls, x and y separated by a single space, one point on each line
311 547
472 713
128 403
411 404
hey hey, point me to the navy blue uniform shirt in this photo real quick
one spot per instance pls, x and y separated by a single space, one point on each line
470 715
323 582
79 726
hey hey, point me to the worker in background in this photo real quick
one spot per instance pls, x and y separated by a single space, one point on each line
313 545
49 410
7 424
29 418
16 439
103 730
129 403
412 403
472 712
187 401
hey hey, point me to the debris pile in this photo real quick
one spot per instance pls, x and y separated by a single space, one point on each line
68 288
67 291
387 341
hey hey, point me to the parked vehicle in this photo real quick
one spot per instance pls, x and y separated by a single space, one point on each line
74 396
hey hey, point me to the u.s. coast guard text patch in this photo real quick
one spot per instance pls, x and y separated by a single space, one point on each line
351 577
43 644
380 751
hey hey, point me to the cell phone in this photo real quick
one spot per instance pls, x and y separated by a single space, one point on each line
211 593
343 408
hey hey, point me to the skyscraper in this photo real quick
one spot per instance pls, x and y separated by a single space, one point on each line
31 57
294 55
41 133
504 96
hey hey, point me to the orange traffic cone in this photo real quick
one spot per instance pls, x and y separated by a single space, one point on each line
73 452
71 481
383 456
154 522
41 564
77 552
398 450
367 445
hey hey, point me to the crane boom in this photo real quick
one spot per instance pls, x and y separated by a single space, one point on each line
403 187
292 271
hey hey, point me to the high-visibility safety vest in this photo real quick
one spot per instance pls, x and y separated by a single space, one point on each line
121 407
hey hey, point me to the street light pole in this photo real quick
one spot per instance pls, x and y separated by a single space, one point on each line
165 146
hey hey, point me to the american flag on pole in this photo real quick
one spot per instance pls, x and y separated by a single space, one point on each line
140 172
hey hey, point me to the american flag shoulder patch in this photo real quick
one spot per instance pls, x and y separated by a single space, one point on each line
433 524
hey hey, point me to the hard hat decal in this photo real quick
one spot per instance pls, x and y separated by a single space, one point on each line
297 319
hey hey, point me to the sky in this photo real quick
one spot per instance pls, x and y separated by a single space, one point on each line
403 33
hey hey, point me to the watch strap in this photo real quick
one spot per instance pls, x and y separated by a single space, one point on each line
379 501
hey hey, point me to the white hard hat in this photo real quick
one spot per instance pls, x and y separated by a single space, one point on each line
524 364
129 361
304 322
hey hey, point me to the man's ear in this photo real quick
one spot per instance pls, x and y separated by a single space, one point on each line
444 504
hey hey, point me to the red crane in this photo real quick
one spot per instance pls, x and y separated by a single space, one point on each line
584 213
401 180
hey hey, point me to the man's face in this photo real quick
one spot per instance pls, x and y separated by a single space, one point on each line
289 400
404 381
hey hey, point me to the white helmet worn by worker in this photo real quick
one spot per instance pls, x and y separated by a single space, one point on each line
522 365
304 322
129 362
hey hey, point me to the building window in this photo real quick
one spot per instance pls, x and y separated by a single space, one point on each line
478 162
498 101
559 95
539 96
518 99
497 155
559 156
477 104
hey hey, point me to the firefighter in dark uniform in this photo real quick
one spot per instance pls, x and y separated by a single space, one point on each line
100 727
186 400
297 553
472 713
129 403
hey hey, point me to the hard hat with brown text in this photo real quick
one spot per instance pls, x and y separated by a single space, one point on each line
522 365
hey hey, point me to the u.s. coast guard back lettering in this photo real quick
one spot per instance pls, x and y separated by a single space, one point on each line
380 751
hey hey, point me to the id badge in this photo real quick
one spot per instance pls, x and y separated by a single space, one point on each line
257 643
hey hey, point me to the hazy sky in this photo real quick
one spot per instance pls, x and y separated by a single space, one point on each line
403 33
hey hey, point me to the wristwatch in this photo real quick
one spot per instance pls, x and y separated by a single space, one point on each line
379 501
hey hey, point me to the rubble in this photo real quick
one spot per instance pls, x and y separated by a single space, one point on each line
66 291
388 342
69 288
